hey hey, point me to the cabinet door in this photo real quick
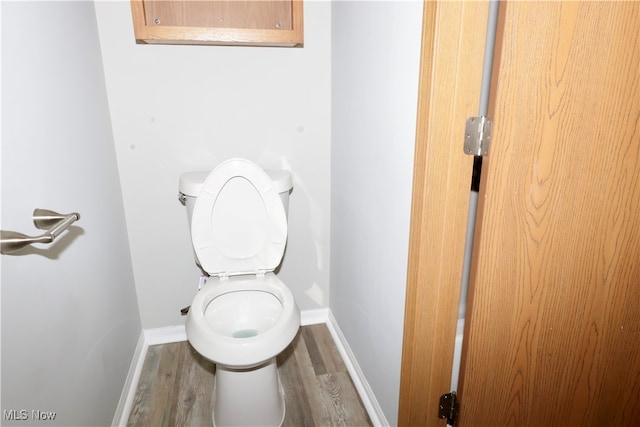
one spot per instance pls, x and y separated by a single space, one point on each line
554 334
219 22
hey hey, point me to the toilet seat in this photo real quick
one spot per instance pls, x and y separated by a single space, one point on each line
239 224
243 352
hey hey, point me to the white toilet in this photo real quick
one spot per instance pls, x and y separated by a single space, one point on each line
244 316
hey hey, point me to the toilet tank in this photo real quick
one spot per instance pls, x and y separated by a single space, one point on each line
191 184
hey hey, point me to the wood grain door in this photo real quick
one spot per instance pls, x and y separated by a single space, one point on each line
450 75
554 333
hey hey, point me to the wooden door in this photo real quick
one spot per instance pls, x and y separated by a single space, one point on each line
554 333
450 75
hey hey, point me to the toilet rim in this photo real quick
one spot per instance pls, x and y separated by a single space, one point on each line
269 283
242 352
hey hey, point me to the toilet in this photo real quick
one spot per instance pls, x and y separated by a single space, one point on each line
244 315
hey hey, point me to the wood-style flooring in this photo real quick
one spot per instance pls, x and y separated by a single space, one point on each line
176 384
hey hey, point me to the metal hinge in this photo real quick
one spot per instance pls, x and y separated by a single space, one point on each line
449 406
477 136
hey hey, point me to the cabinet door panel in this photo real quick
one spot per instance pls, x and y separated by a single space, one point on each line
219 22
261 14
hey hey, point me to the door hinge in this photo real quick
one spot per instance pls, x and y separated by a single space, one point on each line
477 136
449 406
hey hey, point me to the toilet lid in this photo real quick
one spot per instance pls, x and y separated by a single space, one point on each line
239 224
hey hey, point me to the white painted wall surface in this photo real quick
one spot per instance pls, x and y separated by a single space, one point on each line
375 66
70 320
182 108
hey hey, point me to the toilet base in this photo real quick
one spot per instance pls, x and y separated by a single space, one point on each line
248 397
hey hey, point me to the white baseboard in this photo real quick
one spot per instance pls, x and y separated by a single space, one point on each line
357 376
165 335
314 317
123 409
177 333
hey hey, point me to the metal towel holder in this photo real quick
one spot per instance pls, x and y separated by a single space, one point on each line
43 219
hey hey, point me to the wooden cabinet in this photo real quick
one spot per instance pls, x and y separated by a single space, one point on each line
219 22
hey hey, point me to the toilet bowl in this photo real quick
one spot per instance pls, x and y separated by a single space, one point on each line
242 322
244 315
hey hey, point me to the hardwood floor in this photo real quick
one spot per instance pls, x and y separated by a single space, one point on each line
176 384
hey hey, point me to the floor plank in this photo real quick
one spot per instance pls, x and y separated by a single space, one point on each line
176 384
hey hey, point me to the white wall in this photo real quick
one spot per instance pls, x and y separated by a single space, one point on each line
70 320
182 108
375 65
